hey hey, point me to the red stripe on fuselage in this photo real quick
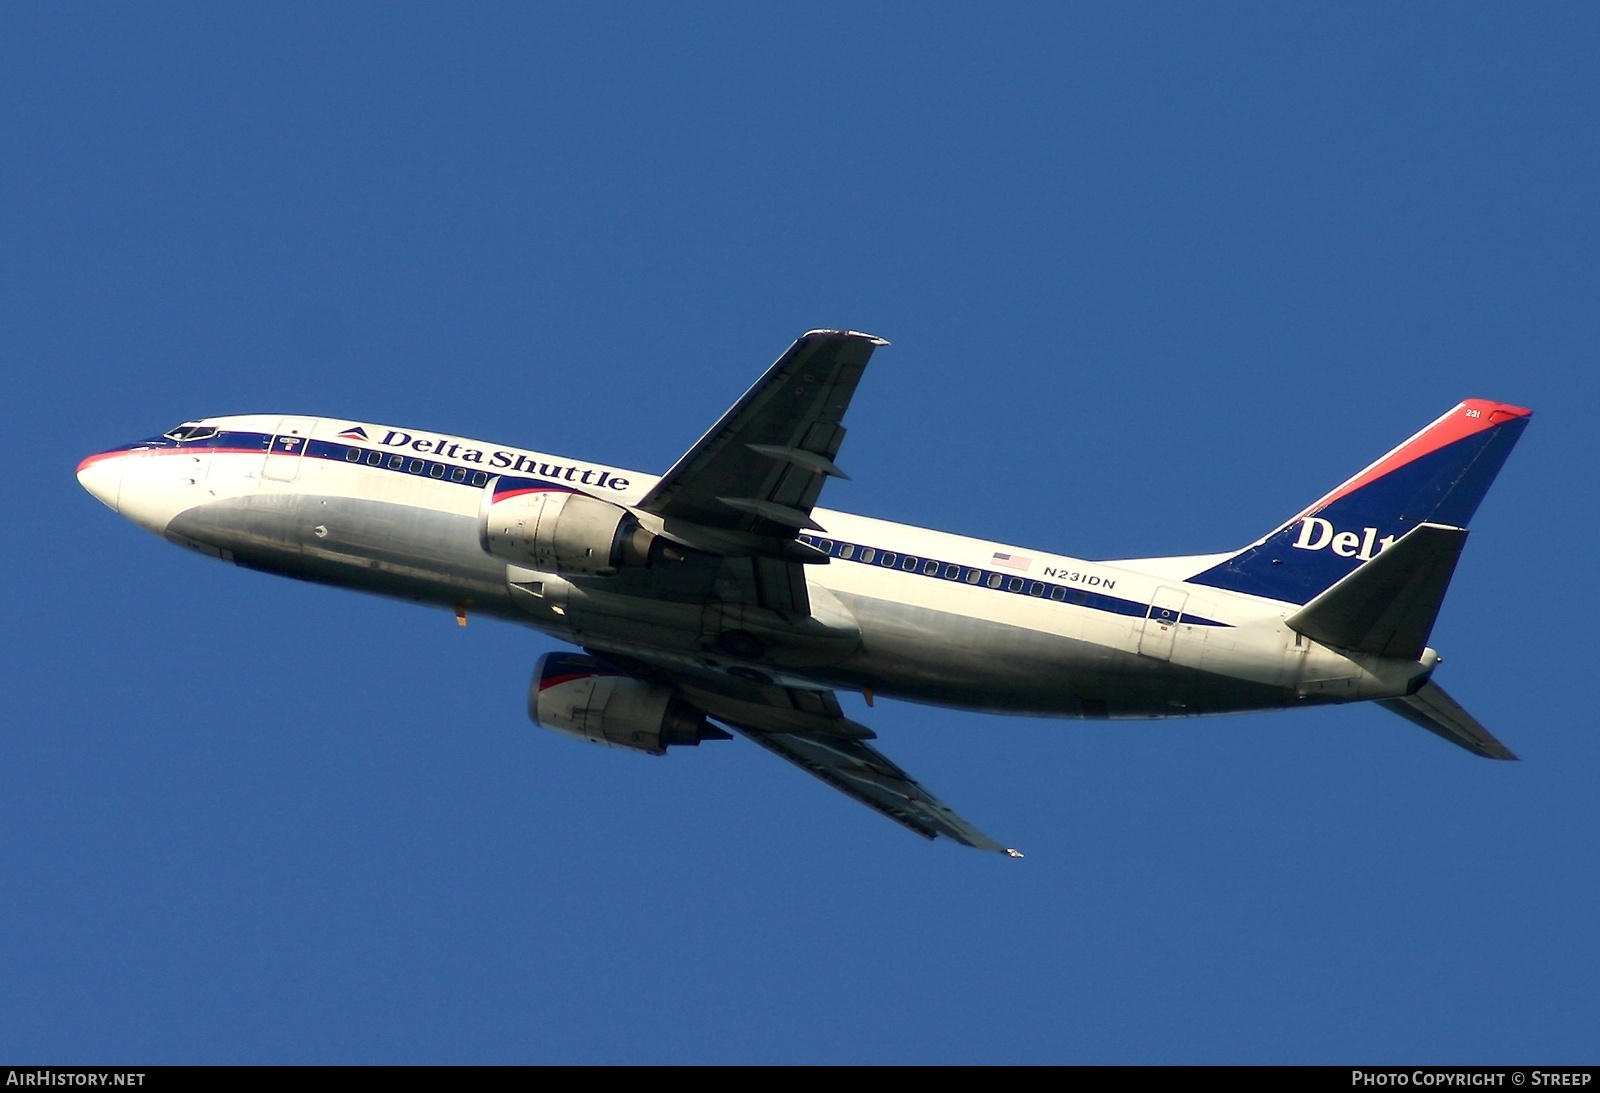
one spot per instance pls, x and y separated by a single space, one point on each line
146 453
556 681
90 461
498 497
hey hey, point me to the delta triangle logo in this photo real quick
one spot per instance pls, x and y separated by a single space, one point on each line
355 432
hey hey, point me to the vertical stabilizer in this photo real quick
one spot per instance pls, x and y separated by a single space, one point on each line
1438 476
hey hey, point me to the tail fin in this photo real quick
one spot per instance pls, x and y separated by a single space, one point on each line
1437 477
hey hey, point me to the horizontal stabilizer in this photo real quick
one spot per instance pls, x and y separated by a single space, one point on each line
1437 712
1388 606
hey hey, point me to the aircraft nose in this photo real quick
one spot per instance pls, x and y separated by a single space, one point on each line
101 475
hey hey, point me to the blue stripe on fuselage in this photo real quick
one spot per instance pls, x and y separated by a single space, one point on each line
989 580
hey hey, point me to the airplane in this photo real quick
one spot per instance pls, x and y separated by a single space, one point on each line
719 598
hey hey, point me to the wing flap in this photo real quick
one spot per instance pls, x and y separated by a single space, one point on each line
781 710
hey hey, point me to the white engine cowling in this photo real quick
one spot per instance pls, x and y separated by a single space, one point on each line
541 525
587 698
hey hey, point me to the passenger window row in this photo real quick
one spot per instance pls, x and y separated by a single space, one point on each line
949 571
398 462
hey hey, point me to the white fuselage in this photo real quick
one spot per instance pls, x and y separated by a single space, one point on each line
898 611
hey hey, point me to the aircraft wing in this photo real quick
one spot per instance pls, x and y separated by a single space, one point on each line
754 477
865 773
742 493
809 728
739 497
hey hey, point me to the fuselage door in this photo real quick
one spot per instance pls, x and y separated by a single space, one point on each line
287 448
1161 623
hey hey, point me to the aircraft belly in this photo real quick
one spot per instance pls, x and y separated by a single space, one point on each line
914 652
391 549
926 655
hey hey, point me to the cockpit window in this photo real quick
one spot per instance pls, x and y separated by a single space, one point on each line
191 430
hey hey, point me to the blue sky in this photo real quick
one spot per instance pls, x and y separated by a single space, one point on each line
1156 276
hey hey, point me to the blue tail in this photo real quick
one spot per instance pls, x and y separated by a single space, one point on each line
1438 476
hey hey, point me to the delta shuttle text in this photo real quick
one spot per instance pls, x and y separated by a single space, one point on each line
502 459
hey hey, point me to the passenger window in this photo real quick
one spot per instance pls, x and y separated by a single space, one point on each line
396 462
930 569
458 475
374 458
952 572
846 550
1078 596
974 576
887 559
352 455
867 554
1014 584
1058 593
994 580
480 478
416 466
1036 589
826 546
908 563
436 470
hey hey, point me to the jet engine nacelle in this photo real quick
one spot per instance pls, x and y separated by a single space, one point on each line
587 698
539 525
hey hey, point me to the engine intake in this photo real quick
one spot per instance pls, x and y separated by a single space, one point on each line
540 525
588 698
